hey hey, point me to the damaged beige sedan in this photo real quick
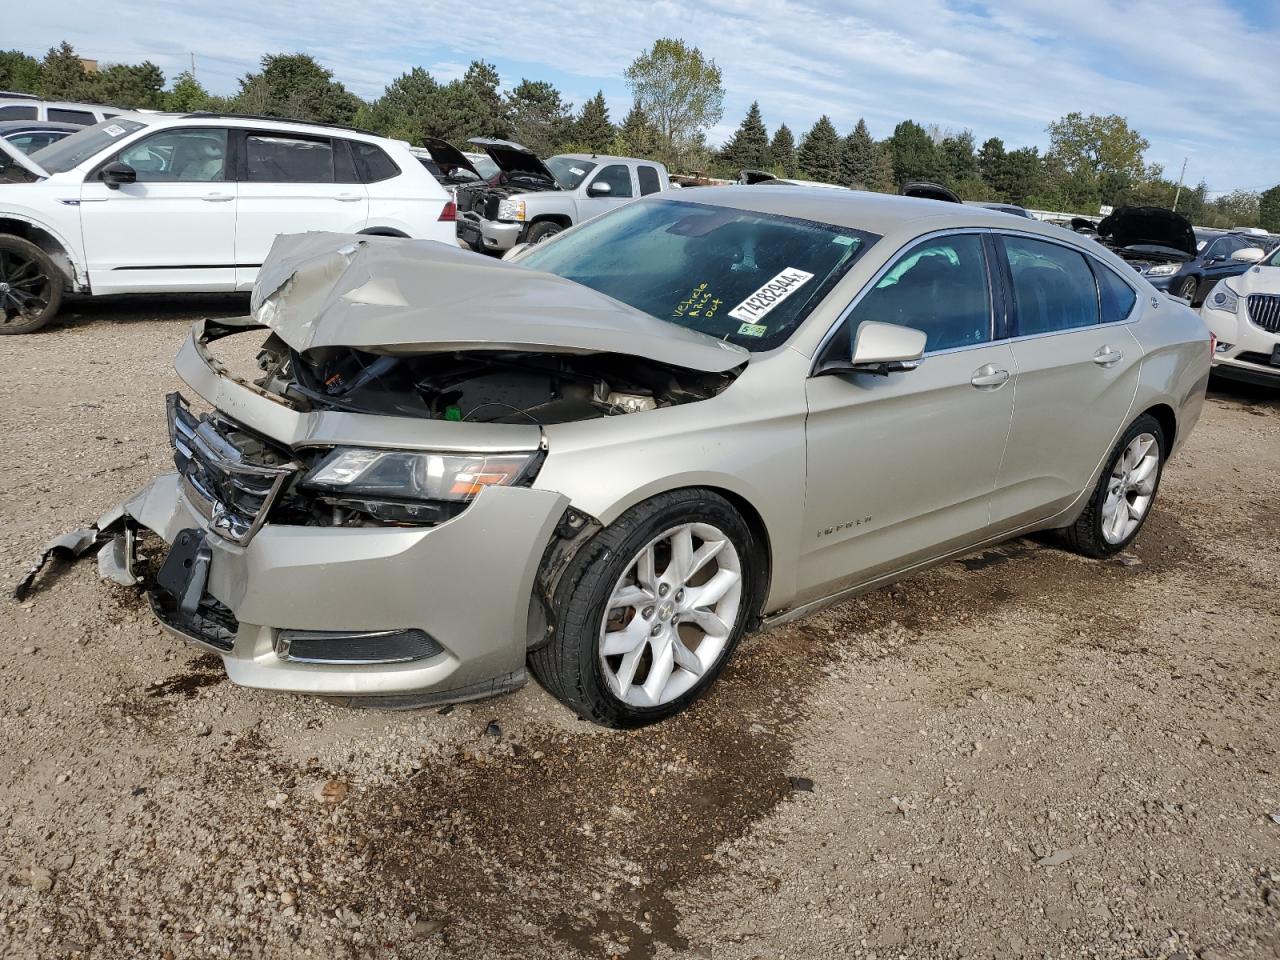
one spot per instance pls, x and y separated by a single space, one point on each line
609 458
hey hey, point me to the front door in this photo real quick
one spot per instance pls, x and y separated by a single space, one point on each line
174 229
901 467
617 177
1076 376
291 183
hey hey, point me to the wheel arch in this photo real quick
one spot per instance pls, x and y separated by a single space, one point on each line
48 241
1168 420
560 219
383 232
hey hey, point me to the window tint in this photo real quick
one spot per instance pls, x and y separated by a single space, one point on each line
1053 287
287 159
82 117
940 287
372 162
618 177
649 180
16 112
1116 297
195 155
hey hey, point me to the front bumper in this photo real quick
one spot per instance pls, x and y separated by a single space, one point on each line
1250 356
466 583
488 234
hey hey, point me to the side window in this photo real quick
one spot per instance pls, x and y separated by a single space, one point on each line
372 162
1218 250
82 117
31 142
1114 295
1053 287
173 156
649 180
17 112
618 177
940 287
285 158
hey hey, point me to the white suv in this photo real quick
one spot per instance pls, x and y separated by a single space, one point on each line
1244 314
164 203
26 106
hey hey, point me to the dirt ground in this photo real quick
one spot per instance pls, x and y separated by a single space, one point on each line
1018 754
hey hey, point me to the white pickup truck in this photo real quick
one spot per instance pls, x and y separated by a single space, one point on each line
530 200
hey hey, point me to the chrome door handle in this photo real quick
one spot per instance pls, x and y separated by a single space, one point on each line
1106 357
217 197
988 377
347 197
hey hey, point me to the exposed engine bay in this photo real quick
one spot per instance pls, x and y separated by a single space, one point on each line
480 386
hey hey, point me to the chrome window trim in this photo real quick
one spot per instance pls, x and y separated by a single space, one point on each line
888 265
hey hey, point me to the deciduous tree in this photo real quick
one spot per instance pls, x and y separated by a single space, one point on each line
681 93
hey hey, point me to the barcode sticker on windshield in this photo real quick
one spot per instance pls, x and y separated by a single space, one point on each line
114 130
770 295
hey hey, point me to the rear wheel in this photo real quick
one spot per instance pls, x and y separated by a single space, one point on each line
30 286
650 610
542 231
1125 493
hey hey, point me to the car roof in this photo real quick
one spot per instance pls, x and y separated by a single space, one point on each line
30 100
9 126
606 158
202 119
879 213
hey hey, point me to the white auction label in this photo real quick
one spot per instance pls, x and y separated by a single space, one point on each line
770 295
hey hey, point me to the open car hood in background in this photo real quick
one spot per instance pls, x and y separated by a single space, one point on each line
399 297
1148 227
445 154
513 158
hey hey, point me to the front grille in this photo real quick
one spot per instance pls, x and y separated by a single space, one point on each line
1264 311
491 207
231 476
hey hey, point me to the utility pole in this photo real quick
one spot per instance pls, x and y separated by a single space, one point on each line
1178 193
193 72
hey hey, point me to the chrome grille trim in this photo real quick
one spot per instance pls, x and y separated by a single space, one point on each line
232 493
1264 311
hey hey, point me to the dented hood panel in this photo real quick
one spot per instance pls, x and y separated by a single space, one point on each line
401 297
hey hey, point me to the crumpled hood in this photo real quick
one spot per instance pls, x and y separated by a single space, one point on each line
398 297
1148 227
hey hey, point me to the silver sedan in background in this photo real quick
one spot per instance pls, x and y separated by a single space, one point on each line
613 455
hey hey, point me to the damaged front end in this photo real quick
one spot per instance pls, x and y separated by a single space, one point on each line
358 516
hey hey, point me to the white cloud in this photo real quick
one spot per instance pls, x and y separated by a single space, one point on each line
1006 71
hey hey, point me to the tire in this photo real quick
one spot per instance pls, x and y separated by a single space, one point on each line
573 666
1187 289
1095 534
542 230
30 286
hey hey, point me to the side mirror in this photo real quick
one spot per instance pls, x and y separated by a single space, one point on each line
880 349
114 174
1249 255
598 189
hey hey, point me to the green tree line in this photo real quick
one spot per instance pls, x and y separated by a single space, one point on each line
677 96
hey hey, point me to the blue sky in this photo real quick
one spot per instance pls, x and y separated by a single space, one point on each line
1201 82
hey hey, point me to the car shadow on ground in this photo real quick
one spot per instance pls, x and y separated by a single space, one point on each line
144 308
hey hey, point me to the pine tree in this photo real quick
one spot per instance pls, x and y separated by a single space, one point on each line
592 128
62 75
782 152
863 163
637 137
819 154
748 149
914 155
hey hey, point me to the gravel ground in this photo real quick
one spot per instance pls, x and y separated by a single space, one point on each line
1021 753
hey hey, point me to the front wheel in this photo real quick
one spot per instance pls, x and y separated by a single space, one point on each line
650 610
1123 498
542 231
30 286
1187 289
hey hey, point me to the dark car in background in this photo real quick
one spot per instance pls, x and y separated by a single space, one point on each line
32 135
1174 256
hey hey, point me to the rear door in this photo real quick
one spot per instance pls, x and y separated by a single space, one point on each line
174 229
1076 375
292 183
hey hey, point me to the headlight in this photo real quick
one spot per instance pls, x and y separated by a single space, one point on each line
510 209
1163 270
407 475
1223 298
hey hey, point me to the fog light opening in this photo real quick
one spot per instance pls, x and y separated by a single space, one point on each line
355 648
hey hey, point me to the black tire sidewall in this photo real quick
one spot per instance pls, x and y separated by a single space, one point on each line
28 249
1191 282
1144 424
543 231
652 519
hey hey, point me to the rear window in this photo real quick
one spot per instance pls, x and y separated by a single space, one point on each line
1115 297
82 117
16 112
288 159
88 143
1053 287
649 182
372 162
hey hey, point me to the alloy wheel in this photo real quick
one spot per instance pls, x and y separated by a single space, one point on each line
1131 488
24 288
671 615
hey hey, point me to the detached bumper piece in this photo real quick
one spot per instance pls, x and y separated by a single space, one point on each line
180 599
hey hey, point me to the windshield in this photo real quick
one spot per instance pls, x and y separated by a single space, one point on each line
749 278
569 171
483 164
76 149
1273 260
